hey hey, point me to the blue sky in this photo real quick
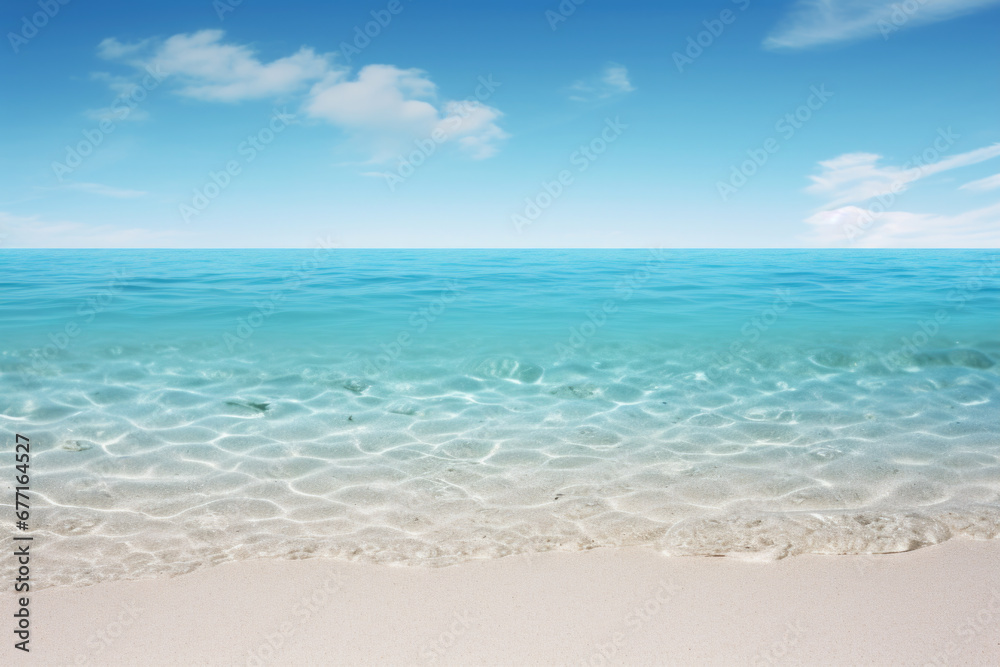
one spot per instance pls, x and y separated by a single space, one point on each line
735 123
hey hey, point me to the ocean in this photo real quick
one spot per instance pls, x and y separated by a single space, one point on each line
428 407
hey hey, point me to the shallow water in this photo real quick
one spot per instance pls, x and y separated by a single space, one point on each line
429 407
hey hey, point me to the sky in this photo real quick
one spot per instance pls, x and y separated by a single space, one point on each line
447 123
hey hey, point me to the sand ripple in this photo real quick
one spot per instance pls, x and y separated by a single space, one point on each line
160 461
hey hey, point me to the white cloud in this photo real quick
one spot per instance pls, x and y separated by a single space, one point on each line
380 96
120 108
613 80
471 124
208 69
32 232
856 177
864 228
387 108
817 22
112 49
123 85
615 77
983 184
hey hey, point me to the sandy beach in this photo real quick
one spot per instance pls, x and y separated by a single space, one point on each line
531 334
939 605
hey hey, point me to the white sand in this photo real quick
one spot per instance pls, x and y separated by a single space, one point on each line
936 604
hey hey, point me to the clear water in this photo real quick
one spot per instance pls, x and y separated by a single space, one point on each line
429 407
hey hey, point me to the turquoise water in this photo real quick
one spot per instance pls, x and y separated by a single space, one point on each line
429 407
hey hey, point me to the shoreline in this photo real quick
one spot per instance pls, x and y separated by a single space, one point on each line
935 605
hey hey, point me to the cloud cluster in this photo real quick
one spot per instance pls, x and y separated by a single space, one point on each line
383 107
857 178
854 177
205 68
817 22
902 229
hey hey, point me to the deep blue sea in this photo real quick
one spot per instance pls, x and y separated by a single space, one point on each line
435 406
